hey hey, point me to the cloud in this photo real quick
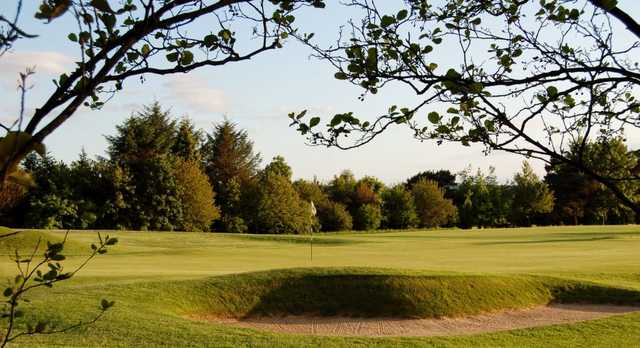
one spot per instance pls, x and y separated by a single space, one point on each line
44 62
196 93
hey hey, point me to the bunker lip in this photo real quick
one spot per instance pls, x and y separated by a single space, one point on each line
552 314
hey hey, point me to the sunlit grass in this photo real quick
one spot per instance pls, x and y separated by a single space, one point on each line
156 278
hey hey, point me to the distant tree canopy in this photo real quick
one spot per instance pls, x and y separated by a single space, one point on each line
231 164
531 196
330 215
432 208
279 208
582 199
120 41
526 77
444 178
146 183
196 196
278 166
482 202
399 208
152 180
142 148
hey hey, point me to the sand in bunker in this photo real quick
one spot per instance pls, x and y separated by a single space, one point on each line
504 320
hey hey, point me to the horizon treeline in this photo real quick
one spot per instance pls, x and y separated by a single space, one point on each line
162 174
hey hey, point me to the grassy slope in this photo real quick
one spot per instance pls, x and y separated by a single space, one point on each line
143 276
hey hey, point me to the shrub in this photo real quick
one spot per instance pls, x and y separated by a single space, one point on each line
196 195
51 212
279 208
334 216
234 224
368 217
398 208
432 208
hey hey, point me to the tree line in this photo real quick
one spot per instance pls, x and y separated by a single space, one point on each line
163 174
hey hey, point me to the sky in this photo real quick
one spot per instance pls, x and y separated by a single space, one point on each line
257 95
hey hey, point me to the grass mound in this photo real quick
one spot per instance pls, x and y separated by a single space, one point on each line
153 313
25 241
371 293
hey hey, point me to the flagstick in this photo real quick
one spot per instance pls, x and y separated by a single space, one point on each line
313 213
312 244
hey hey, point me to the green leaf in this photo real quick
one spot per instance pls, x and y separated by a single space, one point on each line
336 120
340 75
73 37
132 56
574 14
111 241
186 58
101 5
145 50
109 20
225 34
452 74
433 117
172 57
314 122
552 91
372 58
402 14
210 40
489 125
387 21
49 12
8 292
569 101
106 304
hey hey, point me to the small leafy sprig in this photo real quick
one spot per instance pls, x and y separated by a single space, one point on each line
35 272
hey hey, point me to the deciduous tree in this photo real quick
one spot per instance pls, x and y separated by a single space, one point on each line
398 208
432 208
526 77
531 196
121 41
196 196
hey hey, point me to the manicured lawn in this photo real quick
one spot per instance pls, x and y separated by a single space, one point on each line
157 278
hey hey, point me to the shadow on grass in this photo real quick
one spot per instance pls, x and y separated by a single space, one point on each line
544 241
301 292
599 234
296 239
395 296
